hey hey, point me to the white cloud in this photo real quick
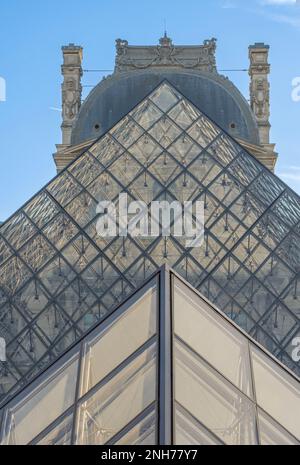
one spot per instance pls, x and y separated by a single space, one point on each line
279 2
286 19
290 176
281 11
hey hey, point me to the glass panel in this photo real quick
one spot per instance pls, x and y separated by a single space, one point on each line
165 132
146 114
41 209
143 434
277 392
85 169
214 402
126 132
178 152
31 415
184 114
60 435
119 401
271 433
119 340
189 432
165 97
211 336
17 230
64 188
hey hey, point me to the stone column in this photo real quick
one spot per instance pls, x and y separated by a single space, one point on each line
71 89
260 89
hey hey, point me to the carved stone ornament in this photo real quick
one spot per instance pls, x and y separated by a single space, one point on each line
260 98
130 57
71 99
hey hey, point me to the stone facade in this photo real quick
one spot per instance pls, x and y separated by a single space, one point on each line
199 59
259 71
260 88
71 89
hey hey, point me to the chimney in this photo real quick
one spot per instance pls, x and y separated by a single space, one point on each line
260 89
71 89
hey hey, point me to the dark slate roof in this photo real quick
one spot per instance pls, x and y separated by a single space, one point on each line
116 95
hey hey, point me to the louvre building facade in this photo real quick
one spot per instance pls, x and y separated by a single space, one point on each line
141 339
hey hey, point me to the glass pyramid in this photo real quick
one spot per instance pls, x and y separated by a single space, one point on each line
58 277
138 379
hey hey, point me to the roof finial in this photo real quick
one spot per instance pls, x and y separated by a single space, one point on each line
165 41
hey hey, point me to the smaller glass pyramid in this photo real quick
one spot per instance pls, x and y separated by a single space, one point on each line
216 385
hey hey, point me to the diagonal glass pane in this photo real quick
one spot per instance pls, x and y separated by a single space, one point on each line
25 420
18 230
64 188
37 252
82 209
80 253
203 132
272 434
277 392
165 97
143 434
13 275
165 132
5 251
189 431
41 209
118 401
106 150
211 336
60 435
146 114
183 114
215 403
85 169
119 339
126 132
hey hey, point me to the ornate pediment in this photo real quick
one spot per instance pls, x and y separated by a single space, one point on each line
130 57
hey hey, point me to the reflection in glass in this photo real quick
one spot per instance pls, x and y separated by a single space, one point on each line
143 434
211 336
25 420
189 432
60 435
222 409
119 340
119 400
277 392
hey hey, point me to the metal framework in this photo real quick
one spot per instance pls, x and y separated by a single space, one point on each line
145 392
58 278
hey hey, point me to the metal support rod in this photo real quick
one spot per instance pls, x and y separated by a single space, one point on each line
165 360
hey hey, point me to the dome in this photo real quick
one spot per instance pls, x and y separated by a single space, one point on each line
211 93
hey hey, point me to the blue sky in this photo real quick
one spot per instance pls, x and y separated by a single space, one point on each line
31 35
